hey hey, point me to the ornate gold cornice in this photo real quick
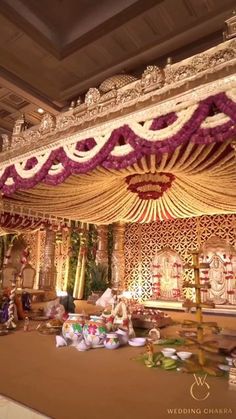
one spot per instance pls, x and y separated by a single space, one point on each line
196 76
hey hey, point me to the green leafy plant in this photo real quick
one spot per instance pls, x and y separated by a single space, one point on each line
110 251
98 277
73 260
90 259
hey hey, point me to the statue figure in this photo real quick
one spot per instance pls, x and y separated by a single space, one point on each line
217 281
47 123
221 258
167 275
168 281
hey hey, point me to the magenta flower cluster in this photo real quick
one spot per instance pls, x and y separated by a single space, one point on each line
190 131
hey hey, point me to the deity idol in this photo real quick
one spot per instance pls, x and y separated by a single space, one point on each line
221 273
167 275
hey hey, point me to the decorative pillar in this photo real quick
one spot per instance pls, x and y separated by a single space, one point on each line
48 273
102 247
62 258
80 269
118 257
39 242
65 269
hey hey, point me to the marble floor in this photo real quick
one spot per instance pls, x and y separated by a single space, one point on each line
63 383
9 409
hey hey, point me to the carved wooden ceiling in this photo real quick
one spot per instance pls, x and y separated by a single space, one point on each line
54 51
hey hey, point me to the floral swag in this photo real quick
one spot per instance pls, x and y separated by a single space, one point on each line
209 121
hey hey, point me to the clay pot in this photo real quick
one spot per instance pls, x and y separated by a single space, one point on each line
122 336
109 321
94 332
73 327
111 341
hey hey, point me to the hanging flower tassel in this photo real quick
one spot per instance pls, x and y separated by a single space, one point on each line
24 259
10 322
8 255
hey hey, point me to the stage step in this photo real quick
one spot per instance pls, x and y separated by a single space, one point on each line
178 305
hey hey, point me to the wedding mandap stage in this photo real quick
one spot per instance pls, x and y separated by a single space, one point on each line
152 156
138 175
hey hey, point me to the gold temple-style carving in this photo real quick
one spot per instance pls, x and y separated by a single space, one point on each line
116 82
47 123
122 94
230 27
92 97
6 142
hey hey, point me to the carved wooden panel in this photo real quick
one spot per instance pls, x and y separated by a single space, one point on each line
36 243
143 241
31 240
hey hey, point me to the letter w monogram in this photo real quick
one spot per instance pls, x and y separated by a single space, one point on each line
200 381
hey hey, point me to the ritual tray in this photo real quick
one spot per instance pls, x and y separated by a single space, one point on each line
147 324
53 330
4 332
39 318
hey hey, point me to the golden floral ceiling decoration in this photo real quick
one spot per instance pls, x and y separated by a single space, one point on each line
122 143
159 147
150 185
203 182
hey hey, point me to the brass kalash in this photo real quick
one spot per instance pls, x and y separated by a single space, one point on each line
203 345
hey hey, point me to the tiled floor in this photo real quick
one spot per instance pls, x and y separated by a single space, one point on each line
12 410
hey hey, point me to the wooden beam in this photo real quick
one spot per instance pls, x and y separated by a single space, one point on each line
3 92
28 92
109 25
50 45
4 131
13 111
51 42
6 125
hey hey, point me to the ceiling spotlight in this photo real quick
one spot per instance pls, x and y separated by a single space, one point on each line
40 110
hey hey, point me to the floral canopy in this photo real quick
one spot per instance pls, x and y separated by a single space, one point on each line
137 150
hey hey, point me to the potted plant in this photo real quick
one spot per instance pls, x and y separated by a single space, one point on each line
97 281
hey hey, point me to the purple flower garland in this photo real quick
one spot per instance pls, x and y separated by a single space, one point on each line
191 130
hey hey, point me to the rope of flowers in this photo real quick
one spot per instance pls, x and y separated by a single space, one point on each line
209 121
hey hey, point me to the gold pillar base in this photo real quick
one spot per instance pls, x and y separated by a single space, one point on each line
118 257
102 248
